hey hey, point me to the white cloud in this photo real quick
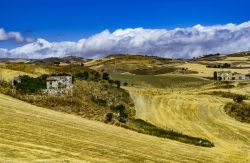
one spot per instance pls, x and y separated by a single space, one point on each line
179 43
16 36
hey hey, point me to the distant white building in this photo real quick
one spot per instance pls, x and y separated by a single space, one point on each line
59 85
228 75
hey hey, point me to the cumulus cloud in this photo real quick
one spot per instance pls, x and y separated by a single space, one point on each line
16 36
178 43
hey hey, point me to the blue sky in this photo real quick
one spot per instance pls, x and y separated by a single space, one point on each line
71 20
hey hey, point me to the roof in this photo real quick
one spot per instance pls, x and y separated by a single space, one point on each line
55 78
223 71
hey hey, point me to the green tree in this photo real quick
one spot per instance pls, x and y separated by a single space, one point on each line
105 76
109 117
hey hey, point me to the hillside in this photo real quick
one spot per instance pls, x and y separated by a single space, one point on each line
135 64
177 101
35 134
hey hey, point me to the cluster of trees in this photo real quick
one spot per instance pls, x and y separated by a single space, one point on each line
225 65
122 115
88 75
121 111
94 75
29 84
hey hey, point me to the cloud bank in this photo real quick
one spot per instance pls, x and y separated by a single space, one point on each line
16 36
178 43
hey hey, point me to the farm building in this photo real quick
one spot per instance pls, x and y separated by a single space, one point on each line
228 75
59 85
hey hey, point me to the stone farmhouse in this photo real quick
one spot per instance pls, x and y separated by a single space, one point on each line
57 85
228 75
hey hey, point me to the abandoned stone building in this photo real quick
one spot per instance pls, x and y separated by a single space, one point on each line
228 75
59 85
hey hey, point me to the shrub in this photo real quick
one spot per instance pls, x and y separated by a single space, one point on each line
123 116
118 83
97 76
125 84
239 98
239 111
99 101
148 128
82 75
29 84
105 76
108 117
119 108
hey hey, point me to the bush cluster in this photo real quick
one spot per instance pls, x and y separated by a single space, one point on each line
148 128
27 84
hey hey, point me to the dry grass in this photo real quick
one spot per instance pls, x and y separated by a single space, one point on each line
34 134
161 81
208 72
196 115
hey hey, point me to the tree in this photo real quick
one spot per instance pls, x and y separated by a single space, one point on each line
57 63
109 117
105 76
97 75
118 83
29 84
123 117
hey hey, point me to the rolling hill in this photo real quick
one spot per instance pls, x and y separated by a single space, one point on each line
34 134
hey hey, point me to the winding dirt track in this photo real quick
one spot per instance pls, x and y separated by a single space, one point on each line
196 115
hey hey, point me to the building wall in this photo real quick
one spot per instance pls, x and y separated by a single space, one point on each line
226 76
59 85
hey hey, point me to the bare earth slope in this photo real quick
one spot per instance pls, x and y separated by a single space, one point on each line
196 115
34 134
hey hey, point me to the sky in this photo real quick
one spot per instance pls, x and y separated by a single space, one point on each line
95 28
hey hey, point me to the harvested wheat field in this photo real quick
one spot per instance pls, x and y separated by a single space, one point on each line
34 134
208 72
9 75
198 115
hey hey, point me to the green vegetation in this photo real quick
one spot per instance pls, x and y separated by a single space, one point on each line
164 81
231 95
154 70
105 76
148 128
223 85
239 98
239 111
28 84
240 54
108 117
122 112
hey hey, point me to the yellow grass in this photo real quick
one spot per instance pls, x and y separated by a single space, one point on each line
208 72
9 75
197 115
34 134
237 59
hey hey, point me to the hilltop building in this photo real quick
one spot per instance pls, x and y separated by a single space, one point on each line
59 85
228 75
